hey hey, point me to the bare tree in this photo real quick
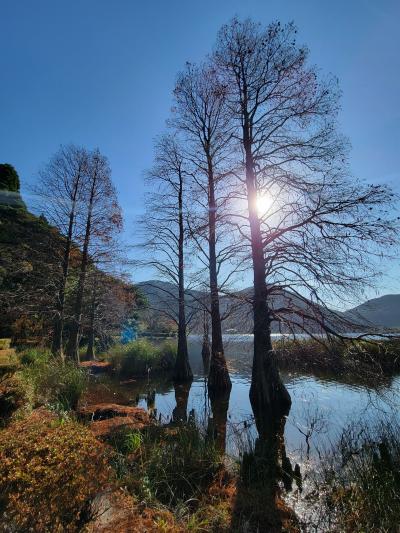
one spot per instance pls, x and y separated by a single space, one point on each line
103 215
60 190
165 231
319 224
203 118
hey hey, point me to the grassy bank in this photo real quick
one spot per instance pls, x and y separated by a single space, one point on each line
141 356
353 357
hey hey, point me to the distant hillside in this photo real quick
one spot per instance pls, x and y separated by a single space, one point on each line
235 309
383 312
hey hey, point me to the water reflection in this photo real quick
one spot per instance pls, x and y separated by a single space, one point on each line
182 390
217 423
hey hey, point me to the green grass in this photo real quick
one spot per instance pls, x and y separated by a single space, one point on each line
360 481
167 466
137 357
54 383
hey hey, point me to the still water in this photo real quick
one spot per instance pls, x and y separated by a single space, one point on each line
321 405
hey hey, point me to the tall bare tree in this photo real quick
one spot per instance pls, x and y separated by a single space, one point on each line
319 223
165 231
103 215
203 118
59 191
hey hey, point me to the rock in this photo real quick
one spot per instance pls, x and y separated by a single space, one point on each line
118 512
101 411
96 366
104 428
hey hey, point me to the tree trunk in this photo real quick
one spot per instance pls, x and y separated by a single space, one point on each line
182 371
73 341
205 349
90 346
218 378
58 341
269 397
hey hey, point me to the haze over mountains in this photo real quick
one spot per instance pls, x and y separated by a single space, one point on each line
381 313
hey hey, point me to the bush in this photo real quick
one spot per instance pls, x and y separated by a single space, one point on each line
49 473
55 383
5 344
30 356
136 357
13 395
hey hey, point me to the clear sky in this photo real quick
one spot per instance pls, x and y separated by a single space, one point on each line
100 73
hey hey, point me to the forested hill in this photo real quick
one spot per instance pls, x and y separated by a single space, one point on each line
383 312
31 254
28 261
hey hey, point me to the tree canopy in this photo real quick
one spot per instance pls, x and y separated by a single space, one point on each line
9 179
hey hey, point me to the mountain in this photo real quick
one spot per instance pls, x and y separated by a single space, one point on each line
383 312
236 309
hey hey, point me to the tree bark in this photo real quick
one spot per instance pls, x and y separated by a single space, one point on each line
73 341
58 340
269 397
90 347
218 378
205 349
182 370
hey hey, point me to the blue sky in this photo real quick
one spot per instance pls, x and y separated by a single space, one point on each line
100 73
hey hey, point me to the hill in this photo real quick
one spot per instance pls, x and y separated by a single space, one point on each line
379 313
236 309
383 312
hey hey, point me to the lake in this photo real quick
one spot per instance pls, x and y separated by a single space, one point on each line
321 405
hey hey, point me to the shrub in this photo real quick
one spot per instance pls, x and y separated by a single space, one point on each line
136 357
5 344
56 383
49 473
31 356
13 395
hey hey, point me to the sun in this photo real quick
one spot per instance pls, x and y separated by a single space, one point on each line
264 202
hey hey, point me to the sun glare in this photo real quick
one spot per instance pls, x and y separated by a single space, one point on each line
264 203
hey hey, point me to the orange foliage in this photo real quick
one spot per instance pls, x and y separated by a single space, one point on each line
50 470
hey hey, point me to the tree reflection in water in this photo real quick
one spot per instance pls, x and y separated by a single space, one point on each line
264 465
182 390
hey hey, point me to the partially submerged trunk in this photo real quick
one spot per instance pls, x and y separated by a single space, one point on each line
269 397
182 370
218 378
